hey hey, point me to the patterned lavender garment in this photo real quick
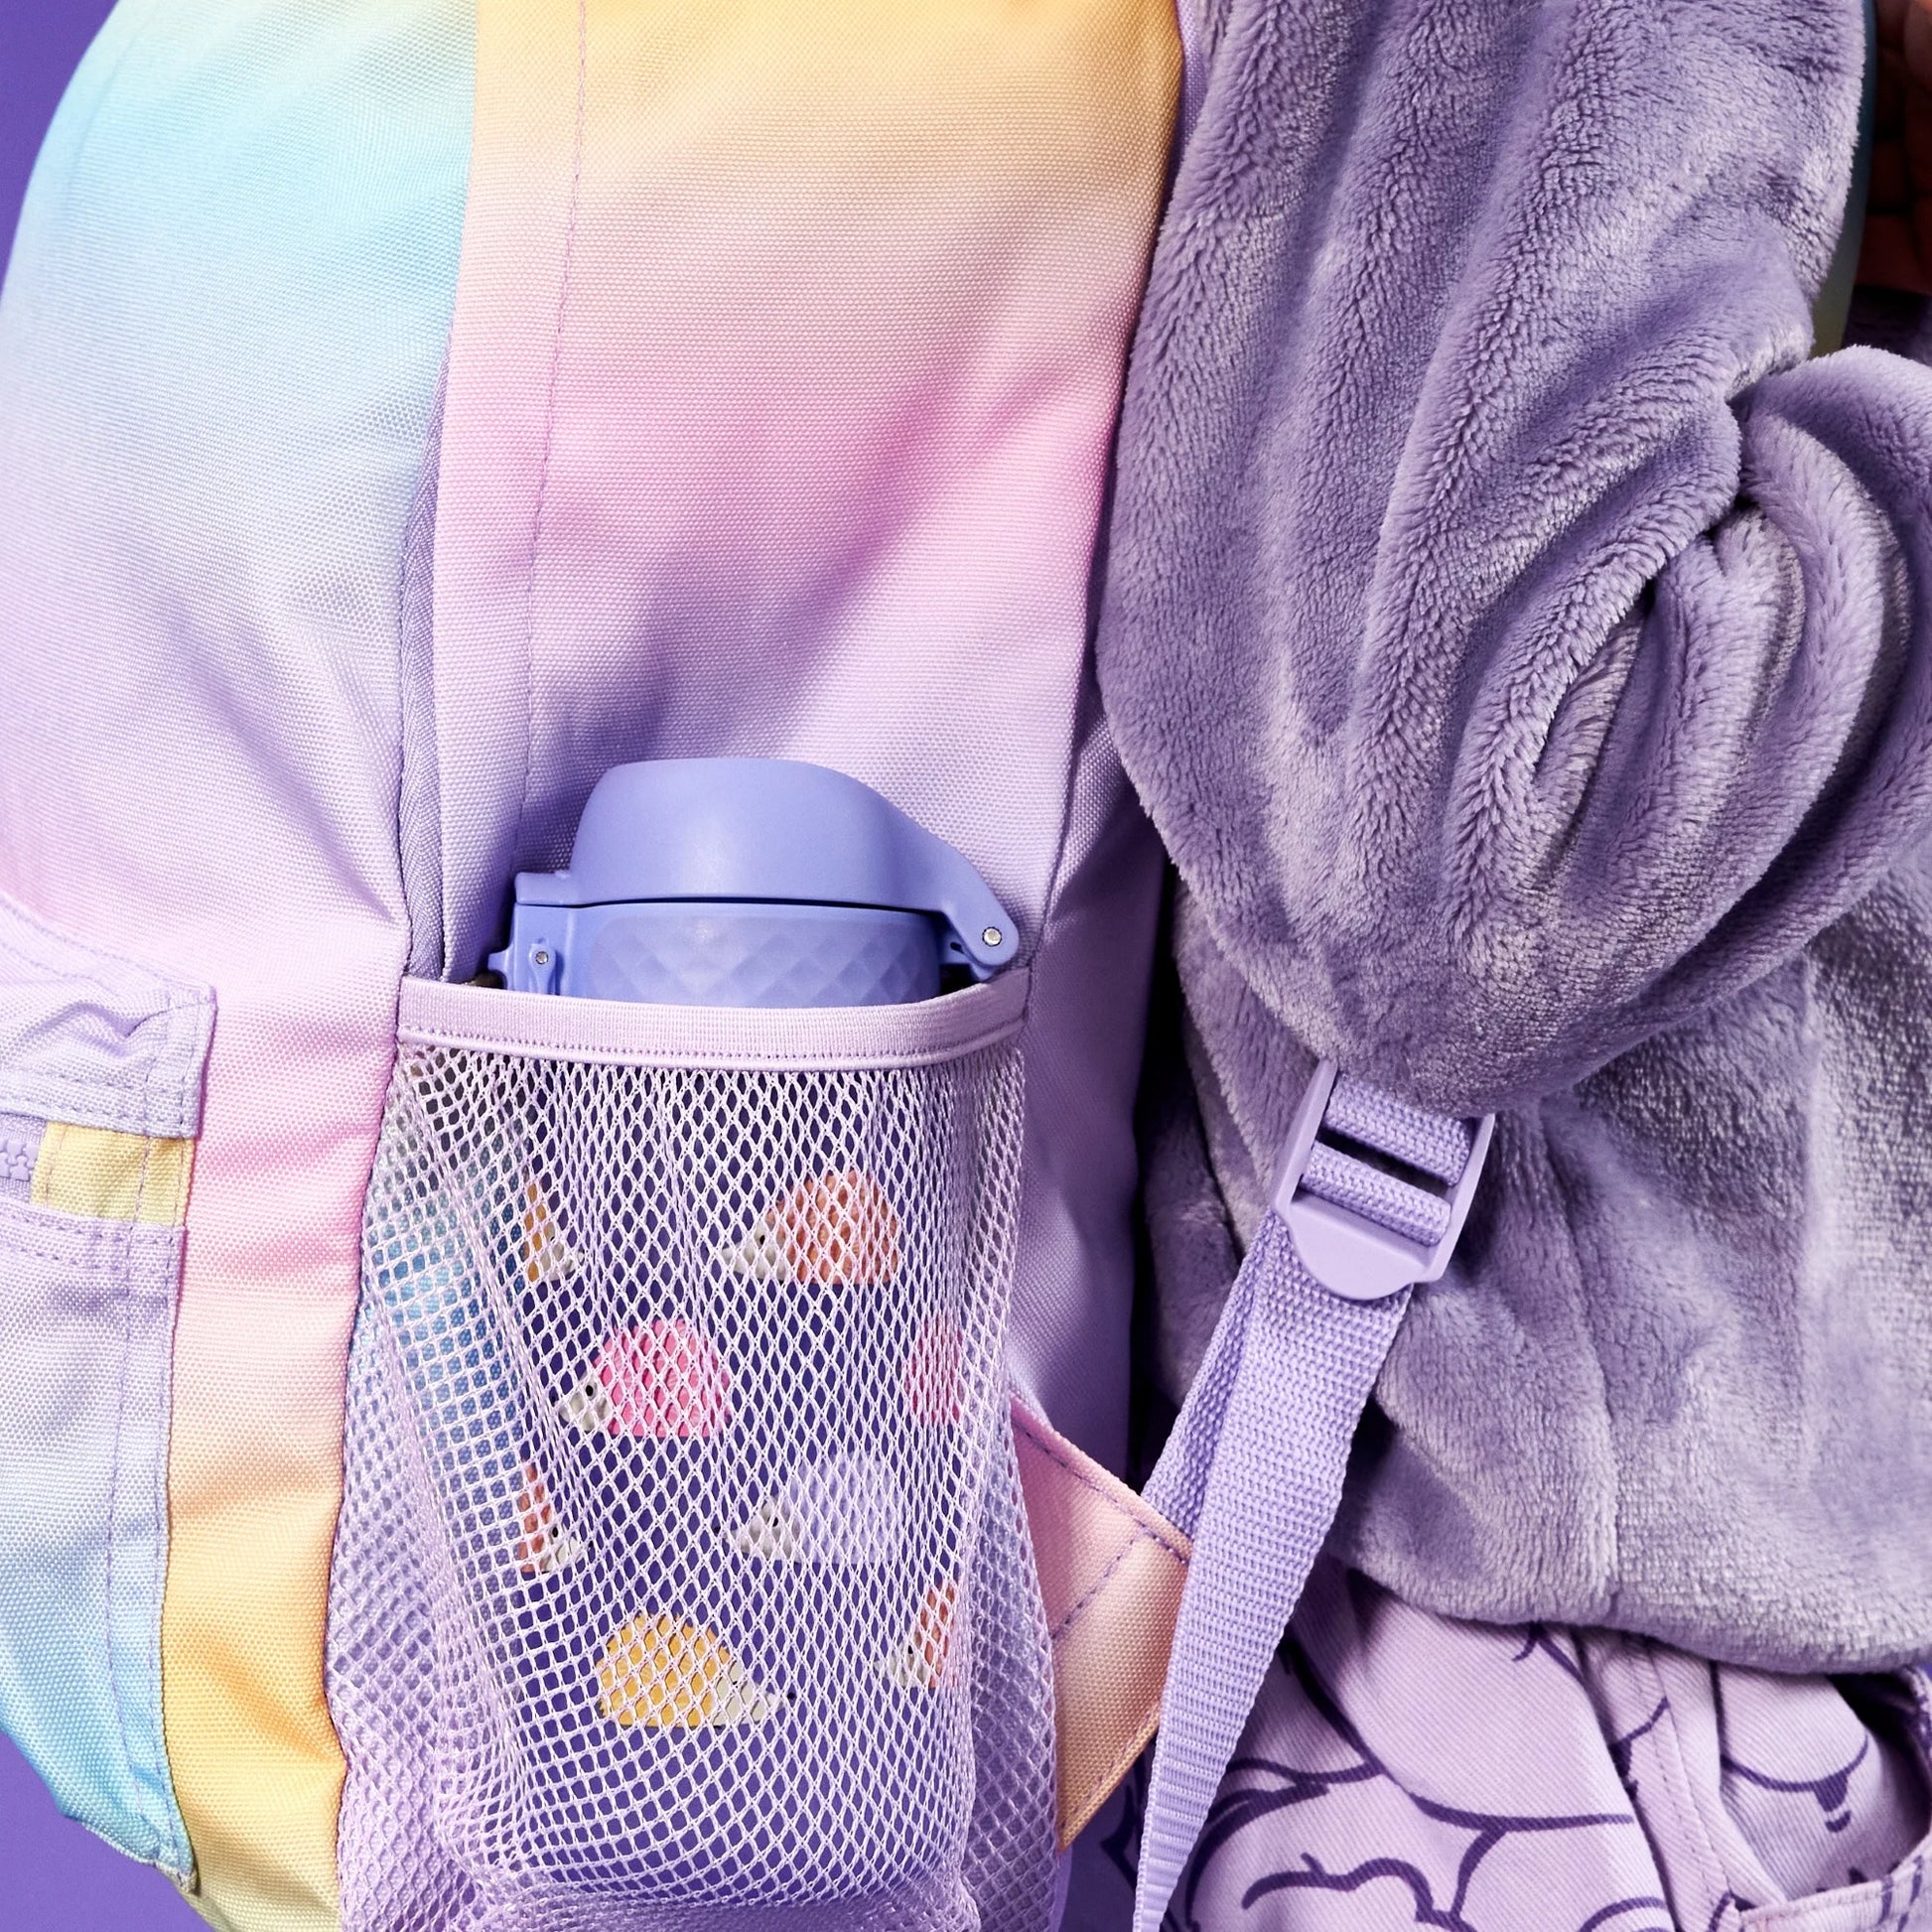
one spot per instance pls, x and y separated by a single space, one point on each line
1402 1771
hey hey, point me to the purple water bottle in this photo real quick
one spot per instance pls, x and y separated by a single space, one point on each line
751 882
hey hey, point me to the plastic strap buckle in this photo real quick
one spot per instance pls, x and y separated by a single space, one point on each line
1374 1192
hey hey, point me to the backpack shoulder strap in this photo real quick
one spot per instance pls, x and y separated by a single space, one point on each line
1368 1202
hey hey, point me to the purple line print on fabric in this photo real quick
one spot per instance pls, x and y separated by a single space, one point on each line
1832 1791
1894 1906
1540 1640
1624 1748
1622 1751
1240 1810
1343 1810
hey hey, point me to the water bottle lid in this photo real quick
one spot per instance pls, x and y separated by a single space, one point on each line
775 830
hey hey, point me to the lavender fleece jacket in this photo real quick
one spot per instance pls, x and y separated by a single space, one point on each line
1526 654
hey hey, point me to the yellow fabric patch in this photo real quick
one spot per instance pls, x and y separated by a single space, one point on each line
112 1177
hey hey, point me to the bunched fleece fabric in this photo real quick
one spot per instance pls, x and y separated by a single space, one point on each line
1526 654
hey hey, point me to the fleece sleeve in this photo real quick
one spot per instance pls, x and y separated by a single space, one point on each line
1519 643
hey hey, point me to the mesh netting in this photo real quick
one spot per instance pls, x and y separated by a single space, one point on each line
682 1566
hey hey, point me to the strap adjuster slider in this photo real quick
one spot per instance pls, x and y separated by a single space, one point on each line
1376 1193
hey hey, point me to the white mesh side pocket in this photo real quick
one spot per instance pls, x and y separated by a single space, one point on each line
690 1377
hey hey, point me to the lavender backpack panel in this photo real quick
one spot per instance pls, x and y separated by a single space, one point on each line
1526 656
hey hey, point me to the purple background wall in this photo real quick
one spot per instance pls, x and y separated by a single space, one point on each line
53 1876
41 41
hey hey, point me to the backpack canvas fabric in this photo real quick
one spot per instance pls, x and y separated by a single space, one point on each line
1519 647
348 633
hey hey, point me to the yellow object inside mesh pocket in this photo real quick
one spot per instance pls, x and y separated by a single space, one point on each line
665 1674
110 1176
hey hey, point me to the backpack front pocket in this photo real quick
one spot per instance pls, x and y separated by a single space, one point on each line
101 1090
683 1347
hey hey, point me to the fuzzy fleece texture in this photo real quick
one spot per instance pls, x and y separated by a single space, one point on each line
1526 654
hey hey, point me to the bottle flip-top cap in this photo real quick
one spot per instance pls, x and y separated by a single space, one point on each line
771 833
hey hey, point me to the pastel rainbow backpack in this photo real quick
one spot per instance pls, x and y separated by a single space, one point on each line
527 1409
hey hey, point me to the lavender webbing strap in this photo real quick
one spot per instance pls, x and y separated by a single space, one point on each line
1253 1471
